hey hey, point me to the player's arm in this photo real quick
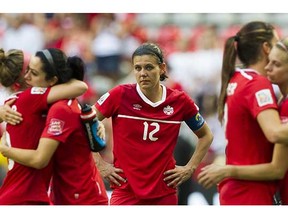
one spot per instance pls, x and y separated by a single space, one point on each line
271 126
269 171
37 159
69 90
108 171
205 138
180 174
213 173
100 116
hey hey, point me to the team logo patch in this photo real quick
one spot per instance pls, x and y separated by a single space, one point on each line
137 106
55 126
168 110
264 97
38 90
199 119
103 98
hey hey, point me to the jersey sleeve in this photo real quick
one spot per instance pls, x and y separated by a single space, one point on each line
36 94
108 103
192 116
190 107
57 123
283 111
260 96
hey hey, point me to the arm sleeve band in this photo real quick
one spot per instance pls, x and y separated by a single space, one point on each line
196 122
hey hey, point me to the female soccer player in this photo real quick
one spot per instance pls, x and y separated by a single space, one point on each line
75 179
146 118
248 111
212 174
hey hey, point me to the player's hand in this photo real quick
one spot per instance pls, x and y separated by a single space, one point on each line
211 175
110 173
177 176
9 115
101 130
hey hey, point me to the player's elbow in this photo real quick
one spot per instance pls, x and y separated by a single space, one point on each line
83 87
273 136
278 174
277 135
209 137
39 163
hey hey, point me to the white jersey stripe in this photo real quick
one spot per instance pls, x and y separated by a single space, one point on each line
148 119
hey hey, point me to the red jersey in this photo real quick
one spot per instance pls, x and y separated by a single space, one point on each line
145 135
283 111
248 94
24 185
76 180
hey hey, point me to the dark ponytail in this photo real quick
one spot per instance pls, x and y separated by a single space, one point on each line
247 46
77 66
228 67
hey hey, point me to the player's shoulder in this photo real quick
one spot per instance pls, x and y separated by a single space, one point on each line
175 92
252 78
61 104
127 86
259 77
123 89
260 80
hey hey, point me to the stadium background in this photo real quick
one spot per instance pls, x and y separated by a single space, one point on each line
192 45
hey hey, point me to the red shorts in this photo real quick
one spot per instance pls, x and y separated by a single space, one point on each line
240 192
127 197
32 203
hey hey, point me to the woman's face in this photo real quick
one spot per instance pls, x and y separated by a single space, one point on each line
277 68
34 75
147 71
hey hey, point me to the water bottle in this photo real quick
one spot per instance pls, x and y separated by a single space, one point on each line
90 121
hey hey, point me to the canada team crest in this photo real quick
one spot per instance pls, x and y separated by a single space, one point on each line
55 127
168 110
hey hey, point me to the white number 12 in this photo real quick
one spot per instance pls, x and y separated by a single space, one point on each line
149 131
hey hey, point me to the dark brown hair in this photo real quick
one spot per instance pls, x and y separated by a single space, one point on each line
56 63
154 50
246 45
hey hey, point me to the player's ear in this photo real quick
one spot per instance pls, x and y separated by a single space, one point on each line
53 81
266 48
163 68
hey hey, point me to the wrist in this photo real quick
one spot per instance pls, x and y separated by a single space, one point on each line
192 169
4 150
230 171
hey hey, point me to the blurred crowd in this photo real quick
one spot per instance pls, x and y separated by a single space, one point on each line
193 45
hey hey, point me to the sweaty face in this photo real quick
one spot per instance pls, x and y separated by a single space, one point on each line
277 68
147 71
34 75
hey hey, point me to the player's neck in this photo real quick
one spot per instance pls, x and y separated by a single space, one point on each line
260 67
155 94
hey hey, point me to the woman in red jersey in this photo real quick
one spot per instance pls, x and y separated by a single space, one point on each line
146 118
248 111
277 74
24 185
75 178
